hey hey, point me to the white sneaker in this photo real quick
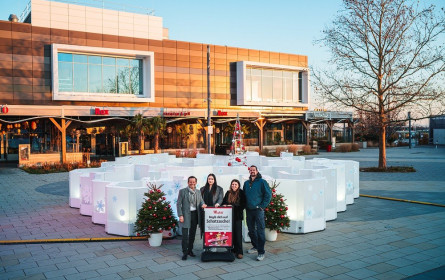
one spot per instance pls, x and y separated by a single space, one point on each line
260 257
252 251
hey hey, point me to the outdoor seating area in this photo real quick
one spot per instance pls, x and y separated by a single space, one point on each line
315 190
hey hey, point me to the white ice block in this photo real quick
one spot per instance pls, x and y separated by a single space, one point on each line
123 200
305 200
74 184
330 192
99 215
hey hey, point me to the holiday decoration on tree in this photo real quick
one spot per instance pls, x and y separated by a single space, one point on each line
156 214
275 213
237 149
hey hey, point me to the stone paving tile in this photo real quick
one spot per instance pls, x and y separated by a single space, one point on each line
60 272
334 270
209 272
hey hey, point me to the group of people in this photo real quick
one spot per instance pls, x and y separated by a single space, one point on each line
254 197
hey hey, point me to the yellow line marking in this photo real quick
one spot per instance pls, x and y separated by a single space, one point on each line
65 240
403 200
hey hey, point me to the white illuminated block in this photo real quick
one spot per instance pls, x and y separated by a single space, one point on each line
74 184
349 179
99 215
341 178
352 177
286 154
305 200
141 171
86 193
123 200
124 172
253 158
330 192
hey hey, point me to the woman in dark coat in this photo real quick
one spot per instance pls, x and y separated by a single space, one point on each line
236 198
212 195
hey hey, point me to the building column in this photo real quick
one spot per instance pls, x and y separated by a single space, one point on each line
307 126
260 123
62 128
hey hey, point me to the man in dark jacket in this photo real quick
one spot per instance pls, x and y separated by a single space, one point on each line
258 195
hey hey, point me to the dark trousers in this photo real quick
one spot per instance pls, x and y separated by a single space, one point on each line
237 235
188 234
256 225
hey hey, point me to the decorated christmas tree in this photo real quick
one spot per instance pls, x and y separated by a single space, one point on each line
155 214
237 150
276 212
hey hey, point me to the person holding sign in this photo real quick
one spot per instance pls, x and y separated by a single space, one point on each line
212 194
235 197
188 205
258 195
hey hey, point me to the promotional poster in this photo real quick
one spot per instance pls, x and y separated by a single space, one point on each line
218 227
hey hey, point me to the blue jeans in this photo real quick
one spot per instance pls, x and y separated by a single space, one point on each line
256 224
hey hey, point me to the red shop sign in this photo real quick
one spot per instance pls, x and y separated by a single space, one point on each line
98 111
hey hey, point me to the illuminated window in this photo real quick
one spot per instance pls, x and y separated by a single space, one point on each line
101 74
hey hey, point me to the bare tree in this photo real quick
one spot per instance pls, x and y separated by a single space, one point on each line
388 57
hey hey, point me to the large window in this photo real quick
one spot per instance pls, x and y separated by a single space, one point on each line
94 73
271 85
101 74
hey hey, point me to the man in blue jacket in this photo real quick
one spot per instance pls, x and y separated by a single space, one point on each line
258 195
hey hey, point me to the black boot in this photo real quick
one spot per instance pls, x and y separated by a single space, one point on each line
184 257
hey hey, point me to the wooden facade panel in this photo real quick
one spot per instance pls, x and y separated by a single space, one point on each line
183 52
180 67
5 25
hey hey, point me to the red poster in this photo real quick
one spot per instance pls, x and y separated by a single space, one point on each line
218 227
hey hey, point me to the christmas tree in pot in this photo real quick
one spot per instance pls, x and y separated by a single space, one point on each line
156 214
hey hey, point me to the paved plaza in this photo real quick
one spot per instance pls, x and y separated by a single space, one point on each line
373 239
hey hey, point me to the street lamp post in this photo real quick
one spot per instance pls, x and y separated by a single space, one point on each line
409 129
209 118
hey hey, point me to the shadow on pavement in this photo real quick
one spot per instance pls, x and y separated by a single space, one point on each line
57 188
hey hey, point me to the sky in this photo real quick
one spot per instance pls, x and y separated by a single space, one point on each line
288 26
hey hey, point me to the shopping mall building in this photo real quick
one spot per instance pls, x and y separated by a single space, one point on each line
80 73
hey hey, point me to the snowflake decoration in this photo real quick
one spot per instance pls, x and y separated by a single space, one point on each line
349 186
86 198
314 197
170 192
220 170
100 206
122 212
321 192
310 213
177 186
114 198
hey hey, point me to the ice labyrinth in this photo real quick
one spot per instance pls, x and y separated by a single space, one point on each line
315 190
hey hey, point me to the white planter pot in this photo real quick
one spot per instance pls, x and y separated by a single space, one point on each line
155 239
271 235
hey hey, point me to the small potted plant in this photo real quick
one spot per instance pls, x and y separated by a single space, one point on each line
155 216
275 214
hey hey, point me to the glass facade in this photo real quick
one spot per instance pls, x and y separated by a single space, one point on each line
99 74
273 85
